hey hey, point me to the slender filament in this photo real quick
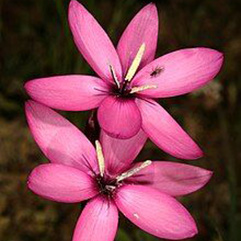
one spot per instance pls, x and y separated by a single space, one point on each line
114 76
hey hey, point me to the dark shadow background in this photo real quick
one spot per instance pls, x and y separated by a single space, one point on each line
35 42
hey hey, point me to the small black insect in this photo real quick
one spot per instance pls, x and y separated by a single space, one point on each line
156 71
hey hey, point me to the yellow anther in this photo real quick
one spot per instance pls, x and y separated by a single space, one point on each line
133 171
141 88
135 64
100 158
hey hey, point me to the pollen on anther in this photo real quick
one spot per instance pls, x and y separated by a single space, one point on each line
136 62
141 88
133 171
100 157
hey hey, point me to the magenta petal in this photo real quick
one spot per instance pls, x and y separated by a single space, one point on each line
59 140
154 212
120 118
93 42
165 132
175 179
142 29
70 92
120 153
97 222
61 183
180 72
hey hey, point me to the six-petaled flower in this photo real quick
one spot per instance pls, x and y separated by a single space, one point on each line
144 192
129 79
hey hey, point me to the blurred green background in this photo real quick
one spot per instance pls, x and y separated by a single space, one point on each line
36 42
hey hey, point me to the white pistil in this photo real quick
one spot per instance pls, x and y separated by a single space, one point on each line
133 171
141 88
100 158
114 76
135 64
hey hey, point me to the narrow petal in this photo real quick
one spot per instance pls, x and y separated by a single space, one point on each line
179 72
154 212
93 42
165 132
142 29
120 153
98 221
70 92
61 183
59 140
175 179
120 118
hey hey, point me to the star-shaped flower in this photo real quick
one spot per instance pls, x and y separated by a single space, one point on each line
129 79
144 192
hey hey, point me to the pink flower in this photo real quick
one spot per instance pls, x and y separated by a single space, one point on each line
129 79
143 192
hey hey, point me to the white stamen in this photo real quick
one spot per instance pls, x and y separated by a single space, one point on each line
100 157
135 64
133 171
141 88
114 76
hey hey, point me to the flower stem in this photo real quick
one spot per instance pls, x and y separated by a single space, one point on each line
92 128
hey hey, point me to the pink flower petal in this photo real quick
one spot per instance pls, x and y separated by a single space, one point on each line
60 140
154 212
93 42
70 92
164 131
98 221
119 117
142 29
120 153
61 183
172 178
179 72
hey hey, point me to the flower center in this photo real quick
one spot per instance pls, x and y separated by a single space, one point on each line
124 88
108 185
123 91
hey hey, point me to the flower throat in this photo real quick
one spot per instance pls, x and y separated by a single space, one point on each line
107 185
124 88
